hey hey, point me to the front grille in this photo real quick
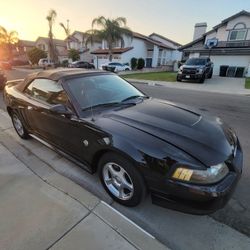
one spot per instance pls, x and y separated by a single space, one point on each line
189 71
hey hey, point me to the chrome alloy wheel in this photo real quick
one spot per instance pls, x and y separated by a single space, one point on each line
118 181
18 125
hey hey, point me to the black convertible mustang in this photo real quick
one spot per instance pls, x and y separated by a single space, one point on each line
187 161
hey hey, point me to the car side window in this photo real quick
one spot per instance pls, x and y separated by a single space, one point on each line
48 91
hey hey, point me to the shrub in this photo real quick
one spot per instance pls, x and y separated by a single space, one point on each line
65 63
140 63
74 55
36 54
133 63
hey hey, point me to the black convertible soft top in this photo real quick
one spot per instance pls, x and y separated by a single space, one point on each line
57 74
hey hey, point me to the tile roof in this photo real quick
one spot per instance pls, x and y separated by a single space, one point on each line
58 42
165 38
27 43
114 51
151 40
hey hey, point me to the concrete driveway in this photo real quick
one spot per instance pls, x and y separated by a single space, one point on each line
223 85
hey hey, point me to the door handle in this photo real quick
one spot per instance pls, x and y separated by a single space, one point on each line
30 108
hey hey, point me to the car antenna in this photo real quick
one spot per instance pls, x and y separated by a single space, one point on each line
91 110
92 113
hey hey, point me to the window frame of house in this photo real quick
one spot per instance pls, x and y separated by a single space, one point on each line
237 30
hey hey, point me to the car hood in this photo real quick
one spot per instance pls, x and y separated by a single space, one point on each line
206 139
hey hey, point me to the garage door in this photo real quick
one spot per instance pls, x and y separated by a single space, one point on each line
239 61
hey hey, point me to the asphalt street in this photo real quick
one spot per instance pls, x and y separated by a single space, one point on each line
175 229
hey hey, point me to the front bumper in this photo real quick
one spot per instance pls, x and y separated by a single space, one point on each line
189 76
200 199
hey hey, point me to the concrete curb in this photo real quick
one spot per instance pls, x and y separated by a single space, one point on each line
99 212
188 86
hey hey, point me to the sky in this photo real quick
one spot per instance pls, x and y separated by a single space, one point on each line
174 19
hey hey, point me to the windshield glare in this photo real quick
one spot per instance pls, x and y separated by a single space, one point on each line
101 89
195 61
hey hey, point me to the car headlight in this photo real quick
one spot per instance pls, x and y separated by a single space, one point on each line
210 175
199 71
180 69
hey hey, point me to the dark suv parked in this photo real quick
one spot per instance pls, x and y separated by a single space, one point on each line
196 69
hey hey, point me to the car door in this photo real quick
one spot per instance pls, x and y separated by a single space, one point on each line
119 67
81 65
62 131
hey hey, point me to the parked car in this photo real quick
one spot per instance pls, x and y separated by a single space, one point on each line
3 79
81 64
188 161
46 63
115 67
196 69
5 65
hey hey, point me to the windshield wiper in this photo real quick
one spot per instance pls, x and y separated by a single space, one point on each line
107 105
134 97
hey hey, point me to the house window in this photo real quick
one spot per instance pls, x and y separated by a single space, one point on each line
41 46
238 33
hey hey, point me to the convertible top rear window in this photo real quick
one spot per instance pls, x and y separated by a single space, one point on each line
48 91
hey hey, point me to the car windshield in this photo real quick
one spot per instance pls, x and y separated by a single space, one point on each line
196 61
95 91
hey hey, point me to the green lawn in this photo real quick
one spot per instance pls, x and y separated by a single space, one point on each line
247 84
155 76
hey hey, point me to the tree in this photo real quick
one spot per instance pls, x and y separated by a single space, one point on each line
52 49
36 54
8 40
66 28
140 63
67 31
133 63
74 55
111 30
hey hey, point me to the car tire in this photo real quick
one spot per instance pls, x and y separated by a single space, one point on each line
127 69
18 126
178 79
121 180
210 74
202 79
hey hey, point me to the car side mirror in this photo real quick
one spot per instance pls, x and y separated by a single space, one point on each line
61 110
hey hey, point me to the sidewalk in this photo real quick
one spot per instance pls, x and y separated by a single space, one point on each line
41 209
222 85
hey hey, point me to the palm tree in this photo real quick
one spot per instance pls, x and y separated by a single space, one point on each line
112 31
52 49
8 40
67 31
66 28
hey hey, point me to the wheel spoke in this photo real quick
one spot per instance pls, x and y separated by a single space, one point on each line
127 185
121 192
111 170
108 182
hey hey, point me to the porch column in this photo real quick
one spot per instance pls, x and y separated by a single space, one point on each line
155 56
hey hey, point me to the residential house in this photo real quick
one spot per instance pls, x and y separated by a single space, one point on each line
175 54
233 48
154 50
77 40
21 49
60 45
